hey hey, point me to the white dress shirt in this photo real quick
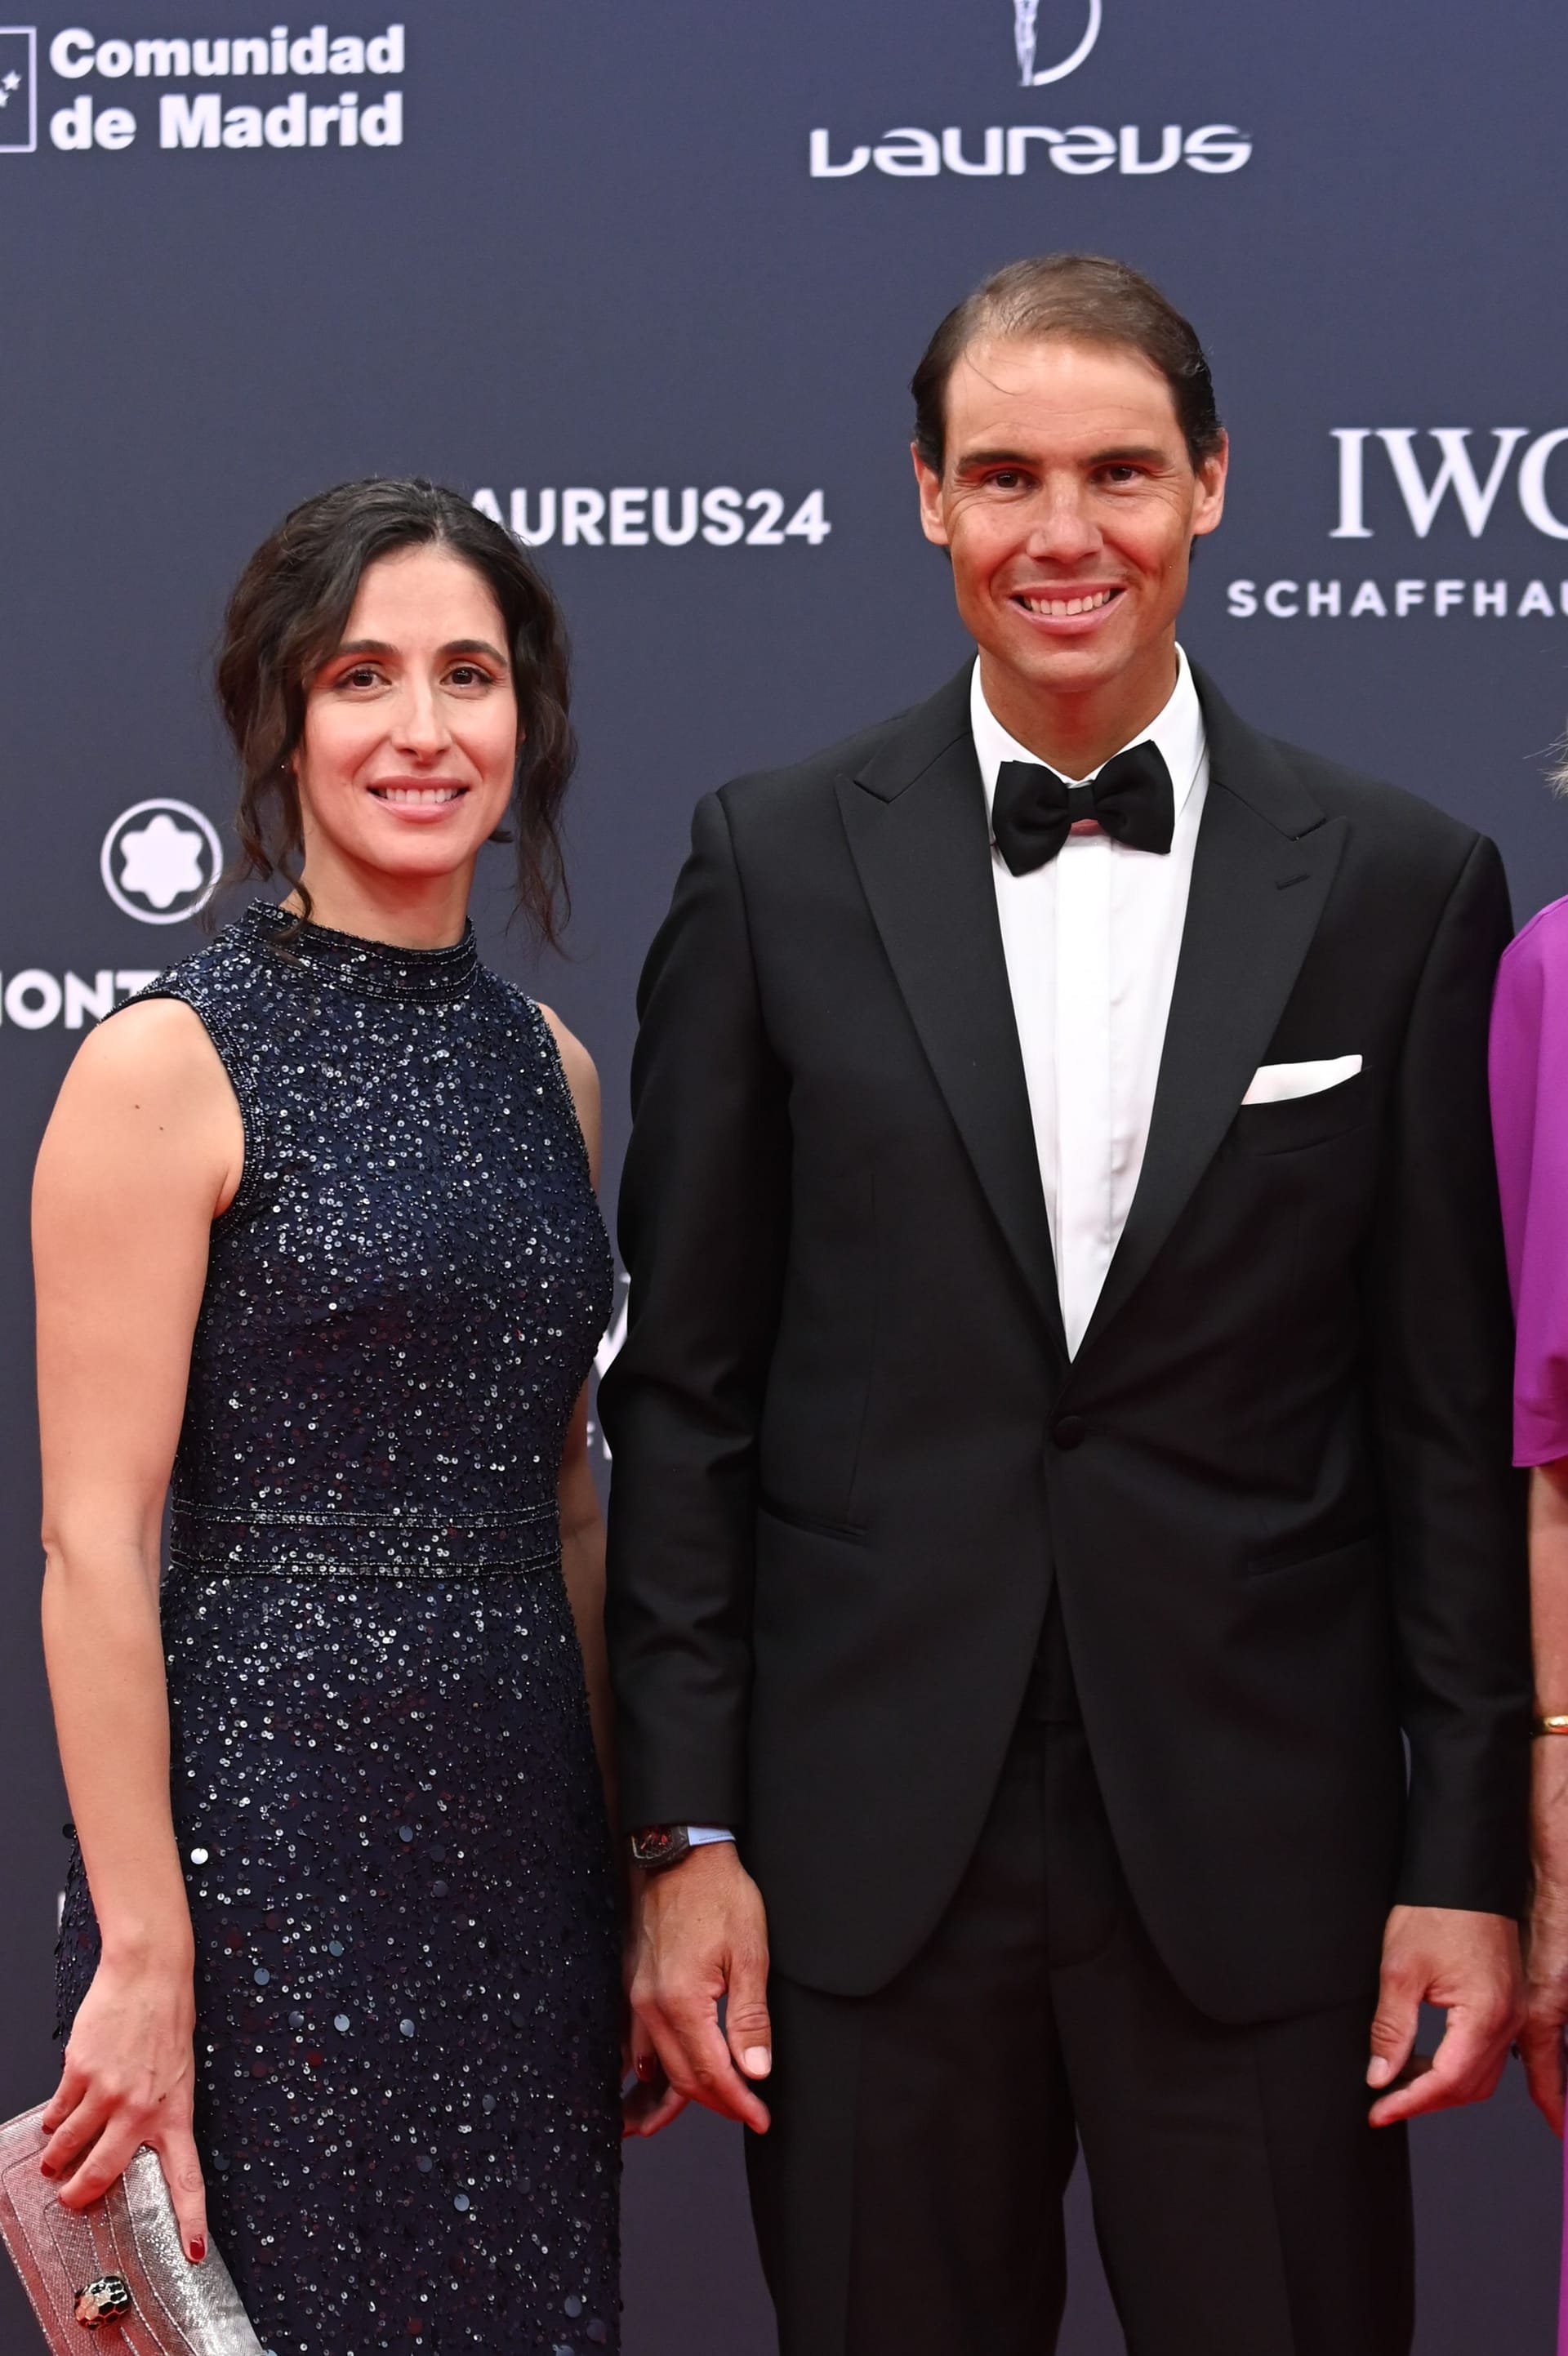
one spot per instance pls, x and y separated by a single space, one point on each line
1092 941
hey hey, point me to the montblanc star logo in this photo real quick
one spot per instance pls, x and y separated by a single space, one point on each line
161 862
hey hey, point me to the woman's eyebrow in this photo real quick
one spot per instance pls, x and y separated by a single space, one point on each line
453 646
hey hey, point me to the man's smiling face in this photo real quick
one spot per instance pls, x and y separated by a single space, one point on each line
1068 505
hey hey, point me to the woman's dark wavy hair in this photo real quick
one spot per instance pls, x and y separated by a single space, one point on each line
287 614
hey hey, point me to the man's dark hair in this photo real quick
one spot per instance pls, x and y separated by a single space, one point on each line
288 612
1089 300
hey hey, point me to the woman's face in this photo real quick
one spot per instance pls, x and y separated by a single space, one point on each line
411 726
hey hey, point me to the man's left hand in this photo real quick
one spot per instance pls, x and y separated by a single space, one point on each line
1469 1965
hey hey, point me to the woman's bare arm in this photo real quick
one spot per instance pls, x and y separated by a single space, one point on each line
1546 1945
581 1522
582 1567
653 2102
143 1149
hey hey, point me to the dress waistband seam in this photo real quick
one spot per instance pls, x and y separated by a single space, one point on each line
411 1525
314 1566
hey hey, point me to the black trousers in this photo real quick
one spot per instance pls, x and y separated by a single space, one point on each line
908 2197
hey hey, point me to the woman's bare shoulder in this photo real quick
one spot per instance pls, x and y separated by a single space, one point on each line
146 1103
575 1059
159 1048
582 1078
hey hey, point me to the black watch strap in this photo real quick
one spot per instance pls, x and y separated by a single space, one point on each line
656 1847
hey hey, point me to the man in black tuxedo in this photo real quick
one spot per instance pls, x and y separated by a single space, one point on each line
1062 1443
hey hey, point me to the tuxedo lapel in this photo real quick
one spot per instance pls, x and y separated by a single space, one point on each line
915 817
1264 862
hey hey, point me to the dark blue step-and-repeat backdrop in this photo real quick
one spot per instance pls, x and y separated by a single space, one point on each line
647 282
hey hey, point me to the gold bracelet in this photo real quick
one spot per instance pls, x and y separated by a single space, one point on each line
1557 1724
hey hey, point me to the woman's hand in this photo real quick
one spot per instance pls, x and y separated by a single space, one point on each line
1546 1933
129 2079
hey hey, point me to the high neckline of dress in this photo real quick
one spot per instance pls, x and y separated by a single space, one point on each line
369 968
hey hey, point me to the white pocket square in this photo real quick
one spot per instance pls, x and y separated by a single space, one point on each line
1278 1083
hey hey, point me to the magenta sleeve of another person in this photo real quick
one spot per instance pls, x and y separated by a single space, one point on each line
1529 1123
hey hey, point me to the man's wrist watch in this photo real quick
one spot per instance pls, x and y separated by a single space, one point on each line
656 1847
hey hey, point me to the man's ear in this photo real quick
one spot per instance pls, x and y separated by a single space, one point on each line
1209 504
931 489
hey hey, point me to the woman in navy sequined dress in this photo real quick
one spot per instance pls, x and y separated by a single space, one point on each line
316 1223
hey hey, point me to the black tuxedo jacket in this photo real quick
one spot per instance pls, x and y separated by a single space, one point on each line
1273 1489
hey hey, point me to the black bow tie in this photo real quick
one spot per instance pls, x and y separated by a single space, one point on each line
1033 811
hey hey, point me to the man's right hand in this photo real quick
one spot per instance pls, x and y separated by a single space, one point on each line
699 1936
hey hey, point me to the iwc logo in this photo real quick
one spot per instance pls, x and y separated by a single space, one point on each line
161 861
1026 42
1448 488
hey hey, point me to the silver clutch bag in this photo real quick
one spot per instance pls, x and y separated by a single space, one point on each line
116 2268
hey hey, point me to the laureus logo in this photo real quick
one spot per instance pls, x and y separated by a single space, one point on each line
1026 42
1041 30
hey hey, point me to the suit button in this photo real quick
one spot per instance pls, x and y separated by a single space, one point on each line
1068 1429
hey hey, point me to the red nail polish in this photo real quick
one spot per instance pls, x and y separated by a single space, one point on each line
45 2169
198 2250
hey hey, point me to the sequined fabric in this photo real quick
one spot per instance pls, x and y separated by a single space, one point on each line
384 1783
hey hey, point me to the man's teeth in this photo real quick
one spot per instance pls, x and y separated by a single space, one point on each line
1058 609
415 796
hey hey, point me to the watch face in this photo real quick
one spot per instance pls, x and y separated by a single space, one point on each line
658 1844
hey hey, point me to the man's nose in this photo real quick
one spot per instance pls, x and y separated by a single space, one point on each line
1061 529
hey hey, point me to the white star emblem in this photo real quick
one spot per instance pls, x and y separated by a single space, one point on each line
13 82
161 861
